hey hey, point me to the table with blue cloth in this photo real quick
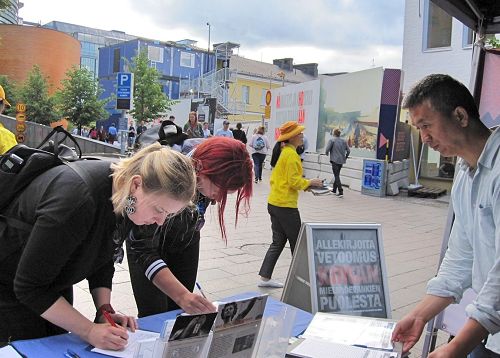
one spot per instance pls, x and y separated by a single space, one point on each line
56 346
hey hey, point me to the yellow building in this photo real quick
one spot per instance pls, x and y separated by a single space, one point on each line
252 79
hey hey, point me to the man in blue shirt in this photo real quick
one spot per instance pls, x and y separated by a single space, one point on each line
448 119
224 131
112 133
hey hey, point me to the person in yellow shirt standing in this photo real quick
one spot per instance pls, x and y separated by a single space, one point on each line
7 138
286 181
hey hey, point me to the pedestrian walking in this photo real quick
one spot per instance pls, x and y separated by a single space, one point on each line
338 150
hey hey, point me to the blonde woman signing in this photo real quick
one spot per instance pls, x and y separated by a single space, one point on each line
73 224
286 182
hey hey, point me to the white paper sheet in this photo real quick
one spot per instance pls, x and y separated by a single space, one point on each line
351 330
323 349
9 352
133 342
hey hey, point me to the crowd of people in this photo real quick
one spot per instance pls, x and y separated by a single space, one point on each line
154 203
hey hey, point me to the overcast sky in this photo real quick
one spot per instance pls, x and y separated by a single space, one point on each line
339 35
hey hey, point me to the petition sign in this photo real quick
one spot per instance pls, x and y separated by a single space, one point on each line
348 272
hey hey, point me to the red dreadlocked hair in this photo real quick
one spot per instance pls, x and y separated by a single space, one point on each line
227 164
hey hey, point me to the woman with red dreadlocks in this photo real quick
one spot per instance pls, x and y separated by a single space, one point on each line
163 270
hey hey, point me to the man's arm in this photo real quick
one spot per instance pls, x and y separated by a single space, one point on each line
328 147
409 329
471 334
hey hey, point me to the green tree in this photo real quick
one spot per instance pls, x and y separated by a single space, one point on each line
78 100
40 108
149 100
11 94
4 4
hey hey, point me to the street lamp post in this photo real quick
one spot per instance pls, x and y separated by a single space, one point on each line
208 50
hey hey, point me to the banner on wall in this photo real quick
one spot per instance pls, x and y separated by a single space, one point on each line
298 103
351 103
489 108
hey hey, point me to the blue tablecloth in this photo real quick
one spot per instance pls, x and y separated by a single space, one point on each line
56 346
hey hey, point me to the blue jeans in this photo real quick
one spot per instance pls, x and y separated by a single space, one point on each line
336 173
481 352
258 161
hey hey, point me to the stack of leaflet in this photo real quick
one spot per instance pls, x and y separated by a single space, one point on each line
332 335
232 331
321 191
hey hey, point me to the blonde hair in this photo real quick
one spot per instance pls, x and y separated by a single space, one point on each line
162 170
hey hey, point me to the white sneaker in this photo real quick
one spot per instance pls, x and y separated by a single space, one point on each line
270 284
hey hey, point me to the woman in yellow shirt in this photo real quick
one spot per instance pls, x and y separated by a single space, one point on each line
7 138
286 181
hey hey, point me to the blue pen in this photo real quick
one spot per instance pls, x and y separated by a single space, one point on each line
72 354
201 291
360 346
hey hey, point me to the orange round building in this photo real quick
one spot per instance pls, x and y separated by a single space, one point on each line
21 47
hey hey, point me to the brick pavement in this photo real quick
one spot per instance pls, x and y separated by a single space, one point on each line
412 233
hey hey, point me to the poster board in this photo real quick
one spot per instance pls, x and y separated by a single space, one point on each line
339 268
374 177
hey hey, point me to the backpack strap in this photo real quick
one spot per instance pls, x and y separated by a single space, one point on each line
56 131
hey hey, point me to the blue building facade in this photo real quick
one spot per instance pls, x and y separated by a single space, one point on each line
175 61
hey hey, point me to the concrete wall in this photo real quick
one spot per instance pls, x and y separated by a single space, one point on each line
35 133
318 166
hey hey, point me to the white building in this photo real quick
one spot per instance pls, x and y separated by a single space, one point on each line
434 42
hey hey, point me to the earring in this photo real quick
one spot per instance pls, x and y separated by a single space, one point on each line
130 206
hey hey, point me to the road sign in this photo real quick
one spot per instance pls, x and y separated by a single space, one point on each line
20 127
267 112
20 138
268 98
20 107
20 117
124 86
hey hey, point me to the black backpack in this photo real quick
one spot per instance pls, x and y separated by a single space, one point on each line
21 164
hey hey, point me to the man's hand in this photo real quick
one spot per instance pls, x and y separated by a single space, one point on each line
408 331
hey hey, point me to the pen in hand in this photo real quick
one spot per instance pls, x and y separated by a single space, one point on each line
109 318
201 291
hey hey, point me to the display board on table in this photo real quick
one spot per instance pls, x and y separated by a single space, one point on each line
339 268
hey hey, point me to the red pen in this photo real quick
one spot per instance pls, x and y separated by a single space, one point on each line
108 318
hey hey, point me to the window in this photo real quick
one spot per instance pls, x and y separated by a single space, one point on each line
437 27
245 94
187 59
468 37
155 54
116 60
89 64
434 165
